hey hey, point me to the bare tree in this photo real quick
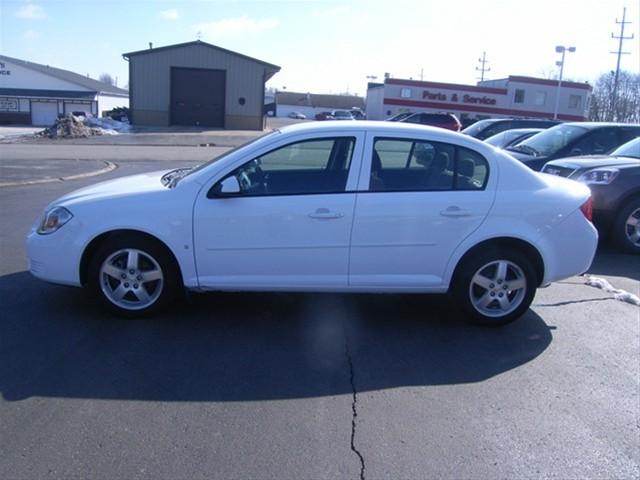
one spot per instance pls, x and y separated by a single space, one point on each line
625 108
106 78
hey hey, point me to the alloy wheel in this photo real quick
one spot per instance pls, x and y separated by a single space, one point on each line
497 288
131 279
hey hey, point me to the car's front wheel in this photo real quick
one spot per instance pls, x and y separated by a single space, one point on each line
496 287
626 228
133 276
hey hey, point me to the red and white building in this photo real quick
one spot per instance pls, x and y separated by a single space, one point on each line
515 96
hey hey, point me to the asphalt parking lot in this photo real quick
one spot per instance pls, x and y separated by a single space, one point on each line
302 386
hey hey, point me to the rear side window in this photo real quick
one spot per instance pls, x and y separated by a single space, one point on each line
412 165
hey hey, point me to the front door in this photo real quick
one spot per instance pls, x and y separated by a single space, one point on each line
289 227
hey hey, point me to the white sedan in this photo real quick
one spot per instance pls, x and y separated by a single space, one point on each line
334 206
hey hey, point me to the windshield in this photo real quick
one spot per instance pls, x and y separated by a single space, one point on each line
550 141
629 149
477 127
225 154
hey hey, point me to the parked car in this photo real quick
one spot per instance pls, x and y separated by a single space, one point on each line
441 120
297 115
323 116
341 115
357 114
436 212
614 181
488 127
511 137
572 140
399 116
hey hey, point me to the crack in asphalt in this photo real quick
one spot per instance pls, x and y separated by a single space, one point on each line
571 302
354 403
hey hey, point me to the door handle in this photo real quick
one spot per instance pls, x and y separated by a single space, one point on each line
325 214
455 211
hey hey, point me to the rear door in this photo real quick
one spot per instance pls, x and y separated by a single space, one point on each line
417 201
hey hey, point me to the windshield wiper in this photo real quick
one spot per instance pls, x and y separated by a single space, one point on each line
525 149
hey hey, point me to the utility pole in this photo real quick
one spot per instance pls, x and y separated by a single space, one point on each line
621 38
483 61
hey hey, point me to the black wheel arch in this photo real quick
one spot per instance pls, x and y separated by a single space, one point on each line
94 245
505 243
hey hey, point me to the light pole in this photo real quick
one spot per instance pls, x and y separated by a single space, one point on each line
560 63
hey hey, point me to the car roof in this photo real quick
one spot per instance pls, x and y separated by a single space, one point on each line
383 127
592 125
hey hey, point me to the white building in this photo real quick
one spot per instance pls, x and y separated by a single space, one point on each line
34 94
515 96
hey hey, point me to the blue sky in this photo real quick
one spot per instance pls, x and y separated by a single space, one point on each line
330 46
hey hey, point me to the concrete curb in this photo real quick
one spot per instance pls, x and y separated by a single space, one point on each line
109 166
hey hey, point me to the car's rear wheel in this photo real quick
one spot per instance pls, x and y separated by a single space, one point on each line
626 228
133 276
496 287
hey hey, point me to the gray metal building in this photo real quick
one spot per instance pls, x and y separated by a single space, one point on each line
197 84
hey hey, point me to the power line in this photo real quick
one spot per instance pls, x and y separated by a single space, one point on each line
483 61
621 38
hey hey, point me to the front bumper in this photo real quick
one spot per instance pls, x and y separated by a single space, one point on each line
55 257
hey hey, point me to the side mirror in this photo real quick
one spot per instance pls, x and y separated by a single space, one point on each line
575 151
227 187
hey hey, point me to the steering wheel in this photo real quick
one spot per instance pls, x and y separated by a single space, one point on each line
244 181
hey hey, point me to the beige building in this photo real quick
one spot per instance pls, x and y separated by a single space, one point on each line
197 84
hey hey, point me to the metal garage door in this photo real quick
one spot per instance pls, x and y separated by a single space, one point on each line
44 114
198 97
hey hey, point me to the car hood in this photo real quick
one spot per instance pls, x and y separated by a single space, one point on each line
593 161
120 187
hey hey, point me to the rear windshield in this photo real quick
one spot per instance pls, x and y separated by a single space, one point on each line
477 127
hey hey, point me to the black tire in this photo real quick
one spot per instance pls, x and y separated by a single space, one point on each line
622 234
150 294
469 295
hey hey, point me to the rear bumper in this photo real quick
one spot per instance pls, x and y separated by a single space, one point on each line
568 248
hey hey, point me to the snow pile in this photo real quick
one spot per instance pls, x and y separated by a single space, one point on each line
71 126
618 294
108 123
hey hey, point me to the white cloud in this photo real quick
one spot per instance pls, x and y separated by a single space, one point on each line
31 35
31 11
234 26
171 14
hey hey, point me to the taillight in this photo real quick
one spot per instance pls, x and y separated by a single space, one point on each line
587 209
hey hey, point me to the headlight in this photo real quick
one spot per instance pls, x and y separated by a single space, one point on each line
54 219
599 176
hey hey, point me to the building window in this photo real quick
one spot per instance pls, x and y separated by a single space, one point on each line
519 96
405 93
541 98
575 101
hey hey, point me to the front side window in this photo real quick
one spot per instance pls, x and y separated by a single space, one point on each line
598 142
412 165
307 167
